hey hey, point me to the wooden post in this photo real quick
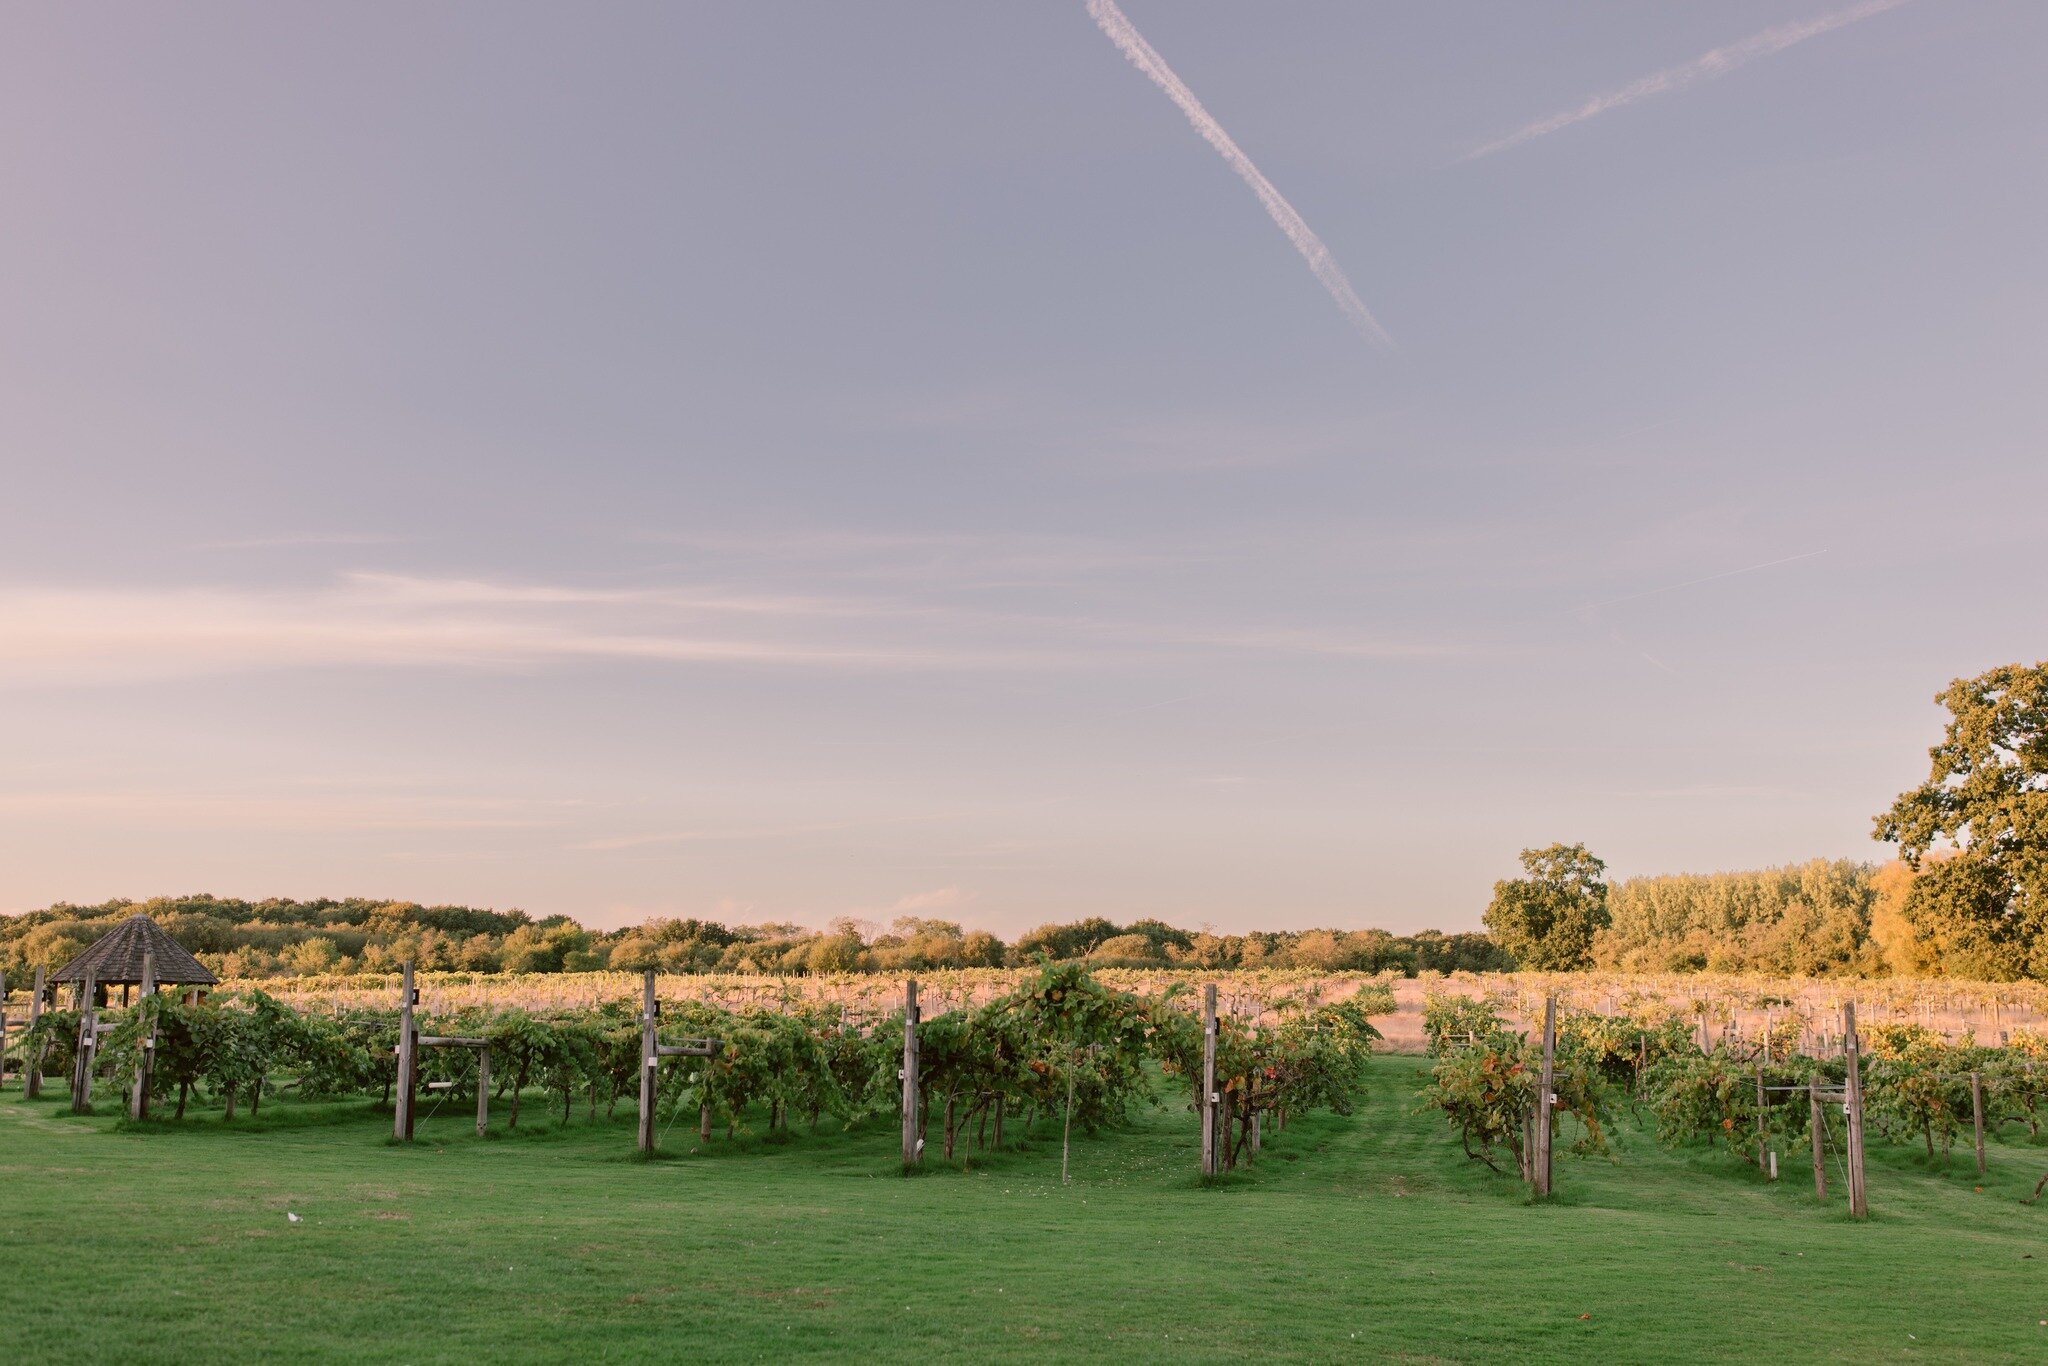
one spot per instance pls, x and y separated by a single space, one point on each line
3 1029
1206 1102
32 1063
483 1090
1817 1121
88 1034
138 1100
1852 1110
1977 1115
650 1058
1067 1123
1762 1128
912 1146
408 1058
1539 1167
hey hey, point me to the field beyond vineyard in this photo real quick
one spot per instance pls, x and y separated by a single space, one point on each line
1367 1235
1724 1002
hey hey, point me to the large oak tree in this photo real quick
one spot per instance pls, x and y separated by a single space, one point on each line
1547 920
1983 906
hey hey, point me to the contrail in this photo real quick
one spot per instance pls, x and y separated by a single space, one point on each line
1719 62
1132 44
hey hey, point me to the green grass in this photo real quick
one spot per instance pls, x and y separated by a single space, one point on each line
1368 1236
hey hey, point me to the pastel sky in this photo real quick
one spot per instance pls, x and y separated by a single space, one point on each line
784 460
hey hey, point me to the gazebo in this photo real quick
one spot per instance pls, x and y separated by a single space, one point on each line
116 959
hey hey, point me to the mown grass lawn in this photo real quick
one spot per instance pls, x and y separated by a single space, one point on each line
1368 1236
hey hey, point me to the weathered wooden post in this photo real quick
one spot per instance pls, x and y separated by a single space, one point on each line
1539 1167
650 1057
88 1038
408 1057
1852 1112
3 1030
1206 1104
652 1051
1817 1121
1763 1134
483 1089
1977 1115
138 1099
32 1059
913 1146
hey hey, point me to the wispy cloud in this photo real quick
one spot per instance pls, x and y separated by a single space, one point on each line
184 808
1718 62
99 634
137 633
1140 53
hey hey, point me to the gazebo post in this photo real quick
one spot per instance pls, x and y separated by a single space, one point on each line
138 1101
32 1060
88 1042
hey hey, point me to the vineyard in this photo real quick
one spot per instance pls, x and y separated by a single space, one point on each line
1057 1041
1057 1117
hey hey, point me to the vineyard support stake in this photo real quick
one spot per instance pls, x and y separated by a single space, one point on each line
1977 1116
1206 1103
1762 1125
1546 1115
652 1051
1816 1120
408 1056
912 1148
1852 1109
649 1059
483 1090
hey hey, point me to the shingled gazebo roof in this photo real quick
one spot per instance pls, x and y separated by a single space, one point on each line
117 958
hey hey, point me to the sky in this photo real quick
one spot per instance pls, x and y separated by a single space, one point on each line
786 461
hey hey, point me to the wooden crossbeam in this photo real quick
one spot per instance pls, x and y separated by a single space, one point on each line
689 1048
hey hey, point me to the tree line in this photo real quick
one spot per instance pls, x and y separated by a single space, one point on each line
1967 897
285 938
